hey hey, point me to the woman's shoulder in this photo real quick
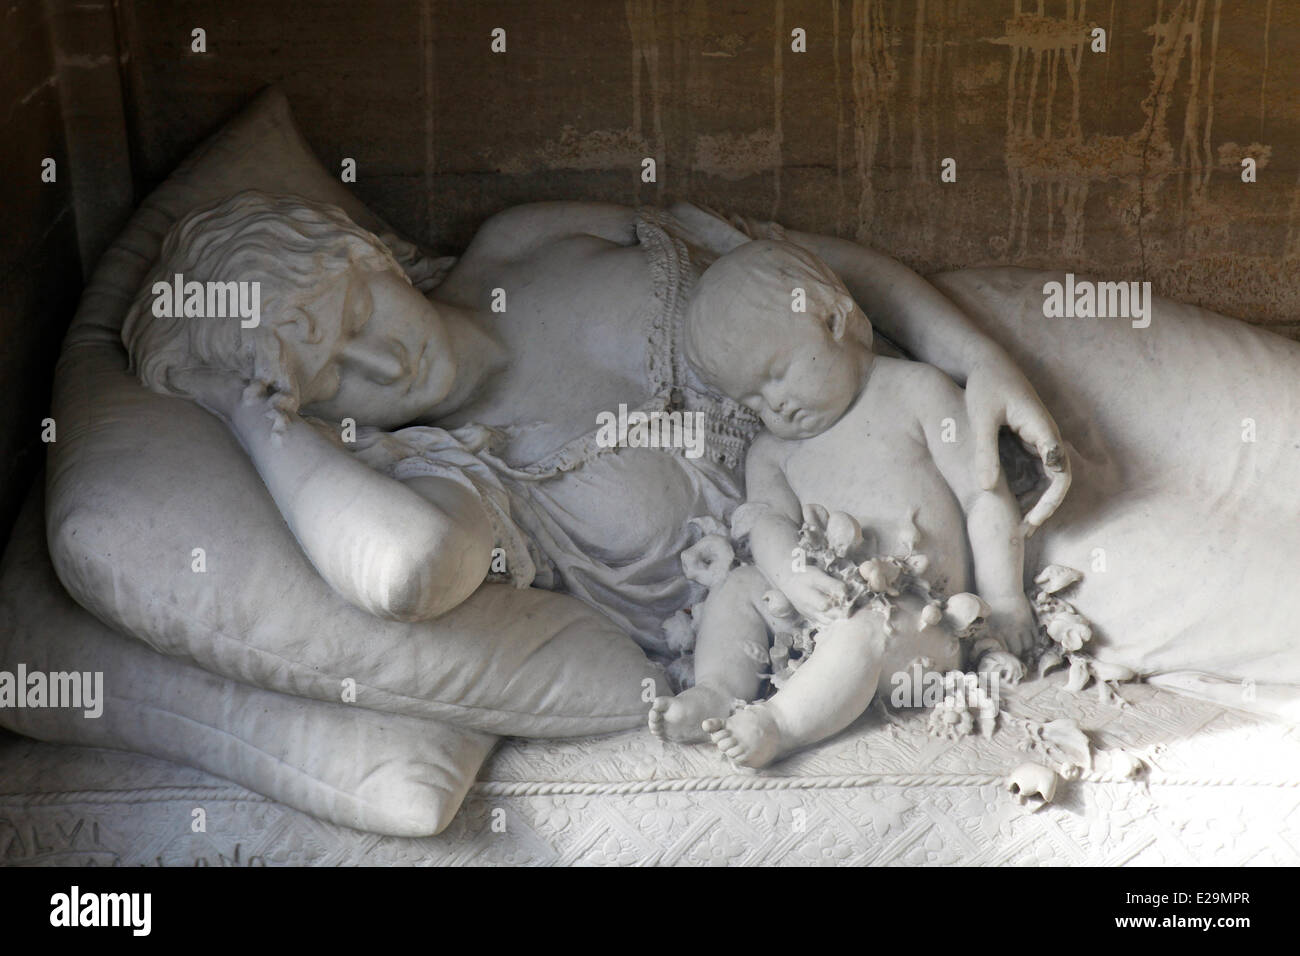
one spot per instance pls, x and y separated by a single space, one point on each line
518 231
535 236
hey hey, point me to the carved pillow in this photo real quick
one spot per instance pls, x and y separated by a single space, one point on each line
137 481
1184 515
384 773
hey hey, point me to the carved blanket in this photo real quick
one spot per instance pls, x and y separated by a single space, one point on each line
1219 788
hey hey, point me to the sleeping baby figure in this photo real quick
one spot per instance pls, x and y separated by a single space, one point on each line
883 444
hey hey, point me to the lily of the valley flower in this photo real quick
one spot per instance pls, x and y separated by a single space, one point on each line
708 560
679 631
779 606
843 533
1057 577
880 575
931 615
1069 630
963 610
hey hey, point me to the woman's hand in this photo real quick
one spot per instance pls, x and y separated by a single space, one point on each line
998 394
217 390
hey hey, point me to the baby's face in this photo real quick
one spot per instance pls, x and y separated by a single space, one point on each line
799 381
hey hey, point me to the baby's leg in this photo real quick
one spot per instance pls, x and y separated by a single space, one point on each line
822 697
731 654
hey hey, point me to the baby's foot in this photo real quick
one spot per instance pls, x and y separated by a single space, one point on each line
750 737
679 718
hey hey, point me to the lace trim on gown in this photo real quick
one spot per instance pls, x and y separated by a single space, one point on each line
729 427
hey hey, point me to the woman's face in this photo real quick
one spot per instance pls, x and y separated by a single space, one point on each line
396 362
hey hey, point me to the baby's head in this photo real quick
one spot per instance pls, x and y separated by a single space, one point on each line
799 370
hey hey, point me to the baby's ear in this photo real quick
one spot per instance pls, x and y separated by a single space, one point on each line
838 320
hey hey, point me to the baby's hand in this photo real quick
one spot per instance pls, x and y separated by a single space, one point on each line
814 593
1012 622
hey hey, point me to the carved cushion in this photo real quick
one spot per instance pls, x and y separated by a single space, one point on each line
137 481
1183 515
362 769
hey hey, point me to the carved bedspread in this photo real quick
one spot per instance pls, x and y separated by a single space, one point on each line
1219 788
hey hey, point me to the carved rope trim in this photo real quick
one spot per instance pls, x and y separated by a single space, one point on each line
494 788
498 788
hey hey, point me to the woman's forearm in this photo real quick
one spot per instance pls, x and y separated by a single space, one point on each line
906 308
373 539
903 305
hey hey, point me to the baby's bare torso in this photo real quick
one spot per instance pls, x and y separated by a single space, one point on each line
874 464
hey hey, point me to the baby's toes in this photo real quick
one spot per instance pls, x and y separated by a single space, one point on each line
724 740
658 721
711 725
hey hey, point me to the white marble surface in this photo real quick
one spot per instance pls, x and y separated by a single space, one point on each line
1222 788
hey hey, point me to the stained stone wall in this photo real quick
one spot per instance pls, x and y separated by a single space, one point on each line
1125 163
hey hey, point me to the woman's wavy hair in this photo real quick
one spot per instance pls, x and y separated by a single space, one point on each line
295 249
755 281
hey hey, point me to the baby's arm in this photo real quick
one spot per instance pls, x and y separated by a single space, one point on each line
775 534
993 521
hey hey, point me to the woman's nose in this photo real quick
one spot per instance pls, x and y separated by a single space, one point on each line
378 362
